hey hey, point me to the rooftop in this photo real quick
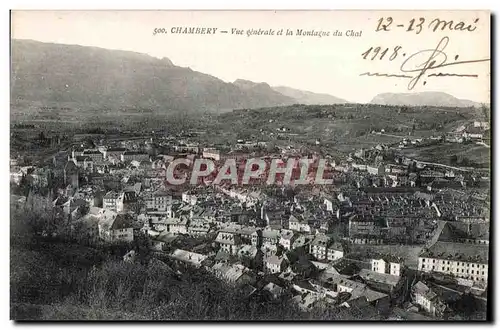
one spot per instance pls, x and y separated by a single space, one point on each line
458 252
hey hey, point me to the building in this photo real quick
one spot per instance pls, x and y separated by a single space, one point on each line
84 162
287 237
482 124
158 201
189 198
334 251
236 274
126 201
189 257
129 156
428 300
117 228
387 265
274 264
95 155
114 152
318 247
298 224
463 260
382 282
109 201
176 225
270 237
71 174
229 242
77 152
376 169
211 153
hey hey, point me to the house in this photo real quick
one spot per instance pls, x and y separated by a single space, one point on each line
75 207
298 224
256 238
77 152
130 256
84 162
176 225
387 265
126 201
482 124
357 309
275 264
117 228
303 241
318 247
189 257
376 170
229 242
158 201
428 300
474 133
129 156
189 198
198 231
334 251
109 201
250 256
114 152
270 237
95 155
382 282
304 287
235 274
287 237
211 153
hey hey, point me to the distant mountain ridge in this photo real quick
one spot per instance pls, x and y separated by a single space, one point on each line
421 99
91 77
305 97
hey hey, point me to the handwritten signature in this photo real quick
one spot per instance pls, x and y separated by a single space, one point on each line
427 60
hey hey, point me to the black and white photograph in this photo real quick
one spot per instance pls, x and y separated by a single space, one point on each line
250 165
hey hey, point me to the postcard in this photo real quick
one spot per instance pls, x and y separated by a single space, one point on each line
250 165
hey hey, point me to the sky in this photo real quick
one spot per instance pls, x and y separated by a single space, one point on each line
329 64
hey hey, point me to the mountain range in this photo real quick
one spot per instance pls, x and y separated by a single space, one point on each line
82 77
439 99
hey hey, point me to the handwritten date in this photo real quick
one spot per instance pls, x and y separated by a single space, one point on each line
378 50
417 25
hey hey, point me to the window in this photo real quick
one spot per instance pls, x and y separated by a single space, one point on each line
482 273
423 260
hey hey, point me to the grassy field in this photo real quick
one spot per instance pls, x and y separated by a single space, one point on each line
442 153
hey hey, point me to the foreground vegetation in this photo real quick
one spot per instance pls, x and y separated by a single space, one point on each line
63 278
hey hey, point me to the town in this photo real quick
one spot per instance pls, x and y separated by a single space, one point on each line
389 237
